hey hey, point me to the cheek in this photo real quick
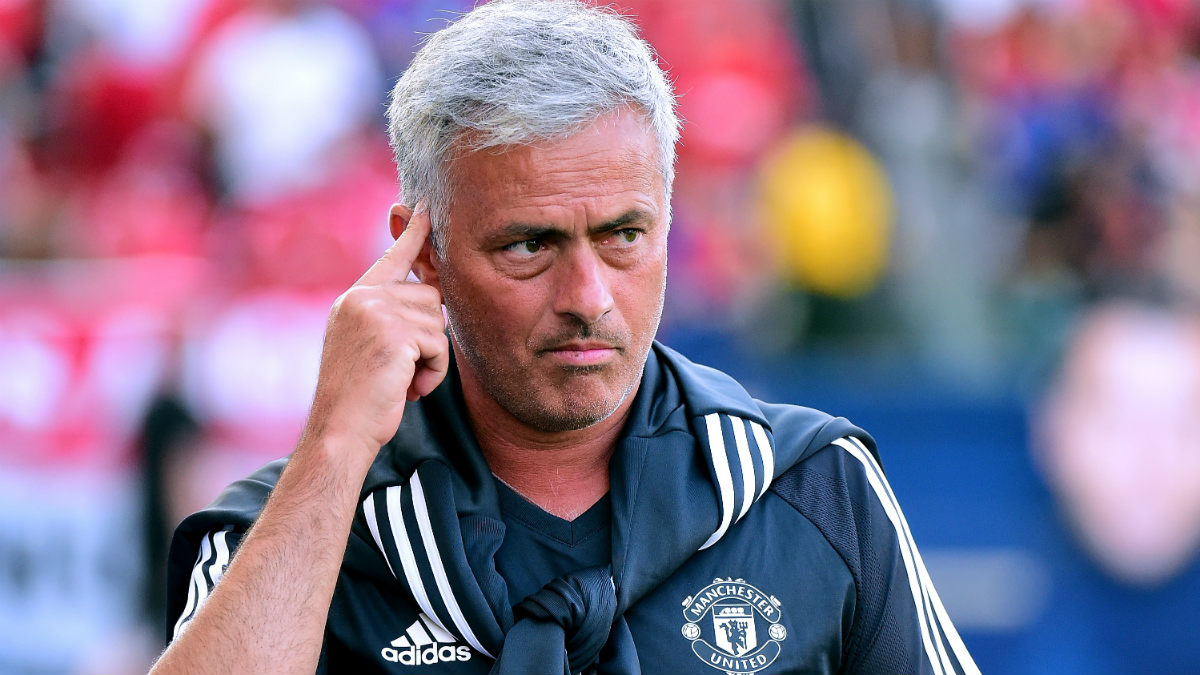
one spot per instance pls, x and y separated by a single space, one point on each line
645 289
497 312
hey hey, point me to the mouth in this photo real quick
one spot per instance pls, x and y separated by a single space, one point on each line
582 353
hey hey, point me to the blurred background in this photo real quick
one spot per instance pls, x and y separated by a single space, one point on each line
970 226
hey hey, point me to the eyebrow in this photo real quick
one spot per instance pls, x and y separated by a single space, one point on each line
523 231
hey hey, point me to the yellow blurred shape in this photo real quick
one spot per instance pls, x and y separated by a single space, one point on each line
827 206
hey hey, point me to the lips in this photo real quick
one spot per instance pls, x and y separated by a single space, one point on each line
581 346
582 352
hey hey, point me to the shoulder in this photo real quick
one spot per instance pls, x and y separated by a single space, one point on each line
814 430
837 484
840 487
238 505
703 391
899 623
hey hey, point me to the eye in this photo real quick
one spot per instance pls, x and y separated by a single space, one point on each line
525 247
625 236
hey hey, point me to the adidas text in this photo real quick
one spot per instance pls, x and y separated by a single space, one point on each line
427 655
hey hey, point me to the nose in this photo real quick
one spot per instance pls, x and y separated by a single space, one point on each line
583 289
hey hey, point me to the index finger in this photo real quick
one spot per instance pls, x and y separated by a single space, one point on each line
397 261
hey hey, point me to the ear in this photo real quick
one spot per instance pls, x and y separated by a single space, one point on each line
425 264
398 217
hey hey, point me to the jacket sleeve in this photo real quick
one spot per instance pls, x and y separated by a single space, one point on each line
204 544
189 586
899 624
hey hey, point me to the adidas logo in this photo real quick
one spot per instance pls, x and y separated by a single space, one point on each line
425 643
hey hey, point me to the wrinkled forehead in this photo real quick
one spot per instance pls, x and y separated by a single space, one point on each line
614 155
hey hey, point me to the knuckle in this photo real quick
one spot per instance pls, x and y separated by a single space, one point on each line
424 293
359 305
352 297
411 352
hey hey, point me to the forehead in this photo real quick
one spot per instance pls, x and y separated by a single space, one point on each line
613 159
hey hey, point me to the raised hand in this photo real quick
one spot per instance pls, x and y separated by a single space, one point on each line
385 344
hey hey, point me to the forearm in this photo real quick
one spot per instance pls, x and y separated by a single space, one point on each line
384 344
268 613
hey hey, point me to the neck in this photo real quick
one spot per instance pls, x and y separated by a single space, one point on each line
565 482
564 473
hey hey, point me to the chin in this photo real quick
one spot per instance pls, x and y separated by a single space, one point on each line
573 421
568 415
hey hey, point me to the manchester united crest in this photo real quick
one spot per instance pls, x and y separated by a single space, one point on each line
733 626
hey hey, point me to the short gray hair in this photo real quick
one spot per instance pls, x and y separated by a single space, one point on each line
515 72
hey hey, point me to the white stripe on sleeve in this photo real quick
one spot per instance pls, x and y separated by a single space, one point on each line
192 592
200 587
439 570
408 559
942 619
373 526
747 464
221 560
716 446
768 456
907 540
905 552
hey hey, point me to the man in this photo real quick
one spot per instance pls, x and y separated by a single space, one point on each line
549 490
1117 441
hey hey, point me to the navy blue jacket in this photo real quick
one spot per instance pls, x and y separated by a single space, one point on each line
746 537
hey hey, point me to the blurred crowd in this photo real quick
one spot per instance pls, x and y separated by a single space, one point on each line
957 185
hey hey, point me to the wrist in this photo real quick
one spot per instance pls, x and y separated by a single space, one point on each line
346 451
